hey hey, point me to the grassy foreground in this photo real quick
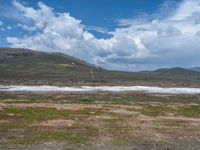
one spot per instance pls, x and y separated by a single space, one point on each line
99 121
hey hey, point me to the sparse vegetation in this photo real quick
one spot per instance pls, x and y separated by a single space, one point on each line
121 120
22 66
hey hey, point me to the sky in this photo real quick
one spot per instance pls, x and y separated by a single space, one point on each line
128 35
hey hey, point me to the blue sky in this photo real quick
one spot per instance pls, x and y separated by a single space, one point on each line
126 35
98 13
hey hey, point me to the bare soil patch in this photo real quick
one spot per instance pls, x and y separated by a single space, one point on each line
57 122
50 105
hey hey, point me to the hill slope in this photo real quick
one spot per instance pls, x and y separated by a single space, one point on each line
195 69
28 67
24 64
174 72
36 58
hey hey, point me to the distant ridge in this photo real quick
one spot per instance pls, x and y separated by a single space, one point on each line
20 66
195 69
176 72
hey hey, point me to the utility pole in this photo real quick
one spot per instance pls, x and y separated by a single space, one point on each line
92 75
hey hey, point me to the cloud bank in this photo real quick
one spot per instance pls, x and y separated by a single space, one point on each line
145 42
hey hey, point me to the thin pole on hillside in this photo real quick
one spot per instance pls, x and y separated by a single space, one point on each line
92 75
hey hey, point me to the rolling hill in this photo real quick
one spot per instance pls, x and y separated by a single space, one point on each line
174 72
29 67
195 69
35 65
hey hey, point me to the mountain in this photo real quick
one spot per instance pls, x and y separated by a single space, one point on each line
28 67
195 69
26 56
24 64
174 72
177 76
